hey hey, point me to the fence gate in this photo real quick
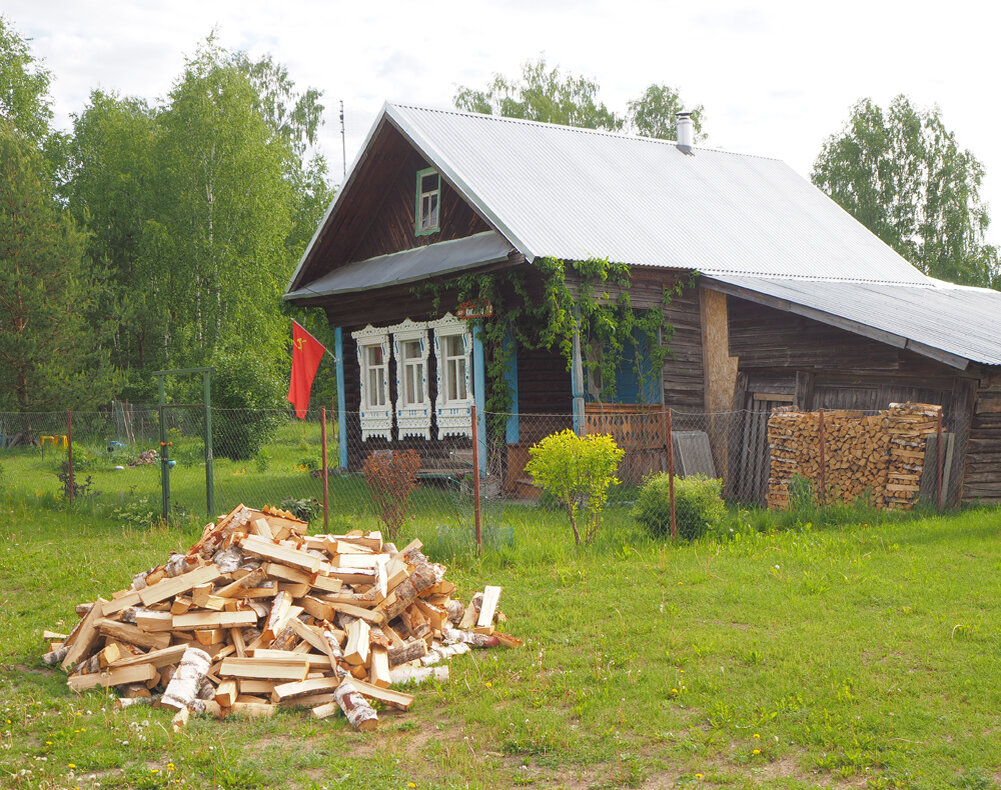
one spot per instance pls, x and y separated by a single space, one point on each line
165 445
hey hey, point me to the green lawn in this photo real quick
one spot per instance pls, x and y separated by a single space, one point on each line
853 656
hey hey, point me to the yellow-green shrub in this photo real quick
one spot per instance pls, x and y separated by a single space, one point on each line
577 471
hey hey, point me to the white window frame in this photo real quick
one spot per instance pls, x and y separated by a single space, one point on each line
452 415
427 218
413 418
376 419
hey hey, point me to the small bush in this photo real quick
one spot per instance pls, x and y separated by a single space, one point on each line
698 505
577 471
391 478
80 487
302 509
139 513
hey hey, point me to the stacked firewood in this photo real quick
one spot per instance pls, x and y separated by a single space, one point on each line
879 457
259 615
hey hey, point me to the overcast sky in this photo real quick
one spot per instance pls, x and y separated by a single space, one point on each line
776 78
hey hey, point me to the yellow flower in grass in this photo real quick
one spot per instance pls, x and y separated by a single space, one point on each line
154 770
756 751
755 735
170 766
71 765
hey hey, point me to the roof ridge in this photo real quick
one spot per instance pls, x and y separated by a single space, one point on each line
815 278
578 129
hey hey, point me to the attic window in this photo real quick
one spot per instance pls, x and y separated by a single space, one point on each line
428 202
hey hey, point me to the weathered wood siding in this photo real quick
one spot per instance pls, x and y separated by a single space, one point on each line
982 471
392 224
683 375
375 216
824 367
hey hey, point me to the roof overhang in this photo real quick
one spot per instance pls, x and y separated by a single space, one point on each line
399 268
745 290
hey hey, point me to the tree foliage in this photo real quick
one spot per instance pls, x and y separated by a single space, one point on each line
542 94
902 174
49 356
654 114
198 210
547 94
24 87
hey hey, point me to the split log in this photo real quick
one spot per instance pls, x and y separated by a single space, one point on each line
407 591
418 675
183 687
359 713
410 651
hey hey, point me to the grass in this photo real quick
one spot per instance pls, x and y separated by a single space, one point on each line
854 655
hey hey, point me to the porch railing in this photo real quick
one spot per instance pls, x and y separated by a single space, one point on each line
633 426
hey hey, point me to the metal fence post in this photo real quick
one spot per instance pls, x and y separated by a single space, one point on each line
823 459
209 477
69 451
670 442
326 481
938 480
476 479
164 454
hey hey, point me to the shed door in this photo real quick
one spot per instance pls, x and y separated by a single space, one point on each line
754 457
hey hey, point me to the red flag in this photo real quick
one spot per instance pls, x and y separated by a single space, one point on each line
307 352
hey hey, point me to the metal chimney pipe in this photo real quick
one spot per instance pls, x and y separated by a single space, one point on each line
686 131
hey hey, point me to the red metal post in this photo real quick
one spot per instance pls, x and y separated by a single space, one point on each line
938 486
823 460
476 479
69 452
326 482
670 476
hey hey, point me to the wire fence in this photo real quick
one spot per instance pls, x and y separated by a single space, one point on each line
271 457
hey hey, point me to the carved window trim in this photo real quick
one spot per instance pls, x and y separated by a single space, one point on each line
454 373
375 412
413 416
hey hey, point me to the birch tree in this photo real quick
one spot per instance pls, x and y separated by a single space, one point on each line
903 175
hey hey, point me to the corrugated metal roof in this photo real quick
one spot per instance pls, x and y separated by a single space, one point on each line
574 194
409 265
948 322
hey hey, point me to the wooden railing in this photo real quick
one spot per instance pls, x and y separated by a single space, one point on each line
633 426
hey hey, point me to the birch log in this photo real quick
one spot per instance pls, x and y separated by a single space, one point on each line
184 685
359 713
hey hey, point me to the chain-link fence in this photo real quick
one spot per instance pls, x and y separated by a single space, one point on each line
271 457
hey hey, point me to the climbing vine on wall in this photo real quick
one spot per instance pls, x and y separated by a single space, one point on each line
604 321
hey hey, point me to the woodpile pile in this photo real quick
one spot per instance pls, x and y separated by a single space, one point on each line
879 456
259 615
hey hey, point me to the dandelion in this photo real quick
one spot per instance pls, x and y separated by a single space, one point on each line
157 770
698 776
411 784
48 743
79 713
756 751
489 684
170 766
755 735
71 765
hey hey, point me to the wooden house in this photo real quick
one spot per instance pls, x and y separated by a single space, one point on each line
779 295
